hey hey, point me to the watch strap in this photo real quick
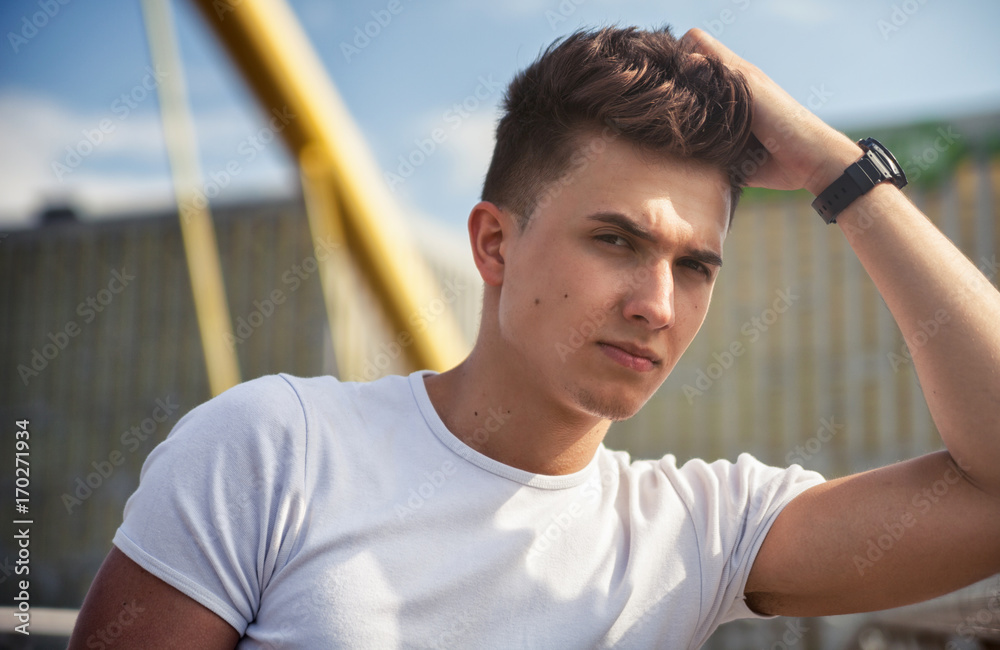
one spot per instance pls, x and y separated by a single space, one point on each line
856 180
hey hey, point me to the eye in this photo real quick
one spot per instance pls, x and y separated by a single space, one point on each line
614 240
697 266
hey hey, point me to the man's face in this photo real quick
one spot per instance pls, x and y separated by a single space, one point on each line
611 279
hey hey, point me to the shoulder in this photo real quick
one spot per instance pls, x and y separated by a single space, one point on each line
327 391
281 416
747 481
721 487
262 417
272 402
267 399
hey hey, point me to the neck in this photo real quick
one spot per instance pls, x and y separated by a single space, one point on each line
497 406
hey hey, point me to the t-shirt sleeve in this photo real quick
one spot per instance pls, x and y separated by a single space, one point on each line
733 506
220 500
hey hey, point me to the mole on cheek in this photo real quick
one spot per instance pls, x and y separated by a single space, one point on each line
537 301
565 295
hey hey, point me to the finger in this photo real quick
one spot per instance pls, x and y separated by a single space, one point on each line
698 40
702 42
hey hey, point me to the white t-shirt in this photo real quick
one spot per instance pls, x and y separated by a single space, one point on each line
311 513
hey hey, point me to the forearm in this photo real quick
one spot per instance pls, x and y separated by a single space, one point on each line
948 313
920 274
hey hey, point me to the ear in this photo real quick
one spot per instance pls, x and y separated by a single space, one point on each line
490 231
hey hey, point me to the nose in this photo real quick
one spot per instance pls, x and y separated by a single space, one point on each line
651 299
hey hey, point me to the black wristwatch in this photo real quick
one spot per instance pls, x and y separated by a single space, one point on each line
876 166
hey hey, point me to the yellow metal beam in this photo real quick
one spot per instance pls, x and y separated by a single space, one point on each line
326 224
197 231
275 56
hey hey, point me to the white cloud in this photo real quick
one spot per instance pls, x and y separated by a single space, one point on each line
54 155
138 138
469 150
33 130
106 194
126 171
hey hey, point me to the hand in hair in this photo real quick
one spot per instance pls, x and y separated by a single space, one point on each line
812 561
797 149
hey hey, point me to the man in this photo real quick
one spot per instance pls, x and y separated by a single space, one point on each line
478 507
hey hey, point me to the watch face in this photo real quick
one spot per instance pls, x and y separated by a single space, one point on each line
884 159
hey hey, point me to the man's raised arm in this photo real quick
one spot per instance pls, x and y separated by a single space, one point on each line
128 607
945 507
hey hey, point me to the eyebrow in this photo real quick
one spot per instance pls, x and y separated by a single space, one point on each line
628 225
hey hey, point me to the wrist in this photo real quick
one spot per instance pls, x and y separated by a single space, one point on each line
840 154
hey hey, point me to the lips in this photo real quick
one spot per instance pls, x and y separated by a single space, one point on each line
630 355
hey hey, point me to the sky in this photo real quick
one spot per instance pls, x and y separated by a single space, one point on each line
79 116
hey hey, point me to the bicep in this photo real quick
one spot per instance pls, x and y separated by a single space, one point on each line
884 538
130 607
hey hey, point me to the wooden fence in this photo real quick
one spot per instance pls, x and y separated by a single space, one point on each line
798 361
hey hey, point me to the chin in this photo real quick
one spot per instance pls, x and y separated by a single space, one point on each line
608 405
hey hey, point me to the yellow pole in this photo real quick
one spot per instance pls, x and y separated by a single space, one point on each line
276 58
197 231
326 224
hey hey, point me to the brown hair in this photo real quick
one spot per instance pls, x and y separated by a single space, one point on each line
640 85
